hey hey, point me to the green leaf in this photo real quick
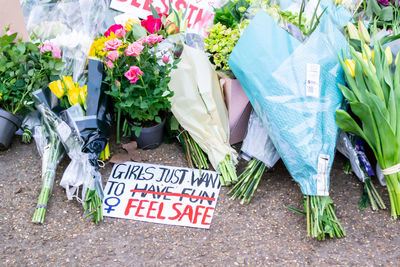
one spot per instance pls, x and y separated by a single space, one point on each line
138 31
154 12
386 13
348 124
174 124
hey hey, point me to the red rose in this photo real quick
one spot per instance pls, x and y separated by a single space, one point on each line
151 24
113 29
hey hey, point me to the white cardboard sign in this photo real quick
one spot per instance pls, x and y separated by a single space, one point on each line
161 194
199 12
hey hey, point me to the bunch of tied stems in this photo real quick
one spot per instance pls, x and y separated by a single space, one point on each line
93 205
227 171
372 196
248 181
50 157
195 156
373 92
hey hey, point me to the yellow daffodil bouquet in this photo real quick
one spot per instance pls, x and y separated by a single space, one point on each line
69 92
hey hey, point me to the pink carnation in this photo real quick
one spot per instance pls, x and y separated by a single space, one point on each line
109 64
133 74
113 55
56 52
142 40
46 47
134 49
113 44
120 33
165 59
153 39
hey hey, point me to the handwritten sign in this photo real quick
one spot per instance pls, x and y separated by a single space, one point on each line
161 194
199 12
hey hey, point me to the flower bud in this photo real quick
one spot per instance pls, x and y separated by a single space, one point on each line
363 32
352 30
351 66
389 56
397 58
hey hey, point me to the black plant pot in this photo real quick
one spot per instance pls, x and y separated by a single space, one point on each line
9 124
150 137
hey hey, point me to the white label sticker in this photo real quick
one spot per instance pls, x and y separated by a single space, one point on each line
63 131
312 82
322 176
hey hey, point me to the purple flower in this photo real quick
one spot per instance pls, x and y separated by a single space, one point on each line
384 2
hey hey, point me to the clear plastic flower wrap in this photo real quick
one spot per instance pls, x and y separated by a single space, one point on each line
71 25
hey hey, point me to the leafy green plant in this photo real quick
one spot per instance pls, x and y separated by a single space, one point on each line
138 77
221 41
23 69
232 13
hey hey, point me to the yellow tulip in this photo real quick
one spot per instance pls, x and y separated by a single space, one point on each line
351 66
397 58
372 66
57 88
83 94
372 56
73 95
389 56
367 51
352 30
363 32
68 82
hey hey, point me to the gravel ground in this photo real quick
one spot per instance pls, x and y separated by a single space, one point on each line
262 233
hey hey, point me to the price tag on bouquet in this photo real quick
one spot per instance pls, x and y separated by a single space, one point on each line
161 194
199 12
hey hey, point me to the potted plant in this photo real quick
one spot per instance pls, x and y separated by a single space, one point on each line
137 72
24 67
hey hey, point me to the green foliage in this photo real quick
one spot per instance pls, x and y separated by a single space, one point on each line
221 41
144 102
23 70
232 13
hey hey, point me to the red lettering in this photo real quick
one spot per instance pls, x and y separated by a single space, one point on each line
165 6
160 212
140 207
129 206
180 3
135 3
178 212
188 212
197 213
203 222
151 209
202 20
192 8
147 5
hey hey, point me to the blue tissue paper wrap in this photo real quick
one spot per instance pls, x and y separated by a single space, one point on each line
271 66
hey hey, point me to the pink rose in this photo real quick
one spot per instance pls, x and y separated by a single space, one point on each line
113 29
133 74
10 32
109 64
134 49
153 39
165 59
113 44
47 46
117 83
120 33
113 55
56 52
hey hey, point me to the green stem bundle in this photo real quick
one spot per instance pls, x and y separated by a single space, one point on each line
321 218
54 151
372 196
248 181
93 205
227 171
194 154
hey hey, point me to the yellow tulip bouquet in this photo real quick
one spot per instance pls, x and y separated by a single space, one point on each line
69 92
373 91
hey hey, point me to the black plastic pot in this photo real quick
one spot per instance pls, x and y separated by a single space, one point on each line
150 137
9 124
